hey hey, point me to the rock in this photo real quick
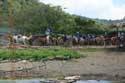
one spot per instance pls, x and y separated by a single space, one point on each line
71 81
72 78
49 81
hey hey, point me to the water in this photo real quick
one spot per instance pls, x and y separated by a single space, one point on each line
100 81
46 81
93 81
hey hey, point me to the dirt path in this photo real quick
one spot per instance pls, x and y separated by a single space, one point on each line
97 65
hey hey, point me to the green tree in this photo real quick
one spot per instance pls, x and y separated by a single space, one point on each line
34 16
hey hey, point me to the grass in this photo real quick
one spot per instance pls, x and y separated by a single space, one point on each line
93 49
46 53
38 54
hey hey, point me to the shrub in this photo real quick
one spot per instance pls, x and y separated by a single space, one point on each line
38 54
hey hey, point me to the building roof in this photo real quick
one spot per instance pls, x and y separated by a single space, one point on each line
118 25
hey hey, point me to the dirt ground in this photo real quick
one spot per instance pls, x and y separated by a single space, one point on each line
97 65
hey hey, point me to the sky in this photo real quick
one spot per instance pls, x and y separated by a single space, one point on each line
102 9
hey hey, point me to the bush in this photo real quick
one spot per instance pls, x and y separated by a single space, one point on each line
38 54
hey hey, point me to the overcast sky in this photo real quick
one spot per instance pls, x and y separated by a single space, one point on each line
104 9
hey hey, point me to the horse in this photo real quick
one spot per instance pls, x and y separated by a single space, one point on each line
48 41
67 40
21 39
114 40
75 40
82 41
6 39
100 40
54 40
107 40
60 41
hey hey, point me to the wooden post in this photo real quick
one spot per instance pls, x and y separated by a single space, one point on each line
10 22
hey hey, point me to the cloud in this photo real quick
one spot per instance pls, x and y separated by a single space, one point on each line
104 9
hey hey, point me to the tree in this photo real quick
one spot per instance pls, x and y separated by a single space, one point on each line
34 16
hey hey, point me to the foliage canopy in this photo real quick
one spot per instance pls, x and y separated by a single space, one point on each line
34 16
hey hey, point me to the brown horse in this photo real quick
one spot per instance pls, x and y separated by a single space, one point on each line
100 40
107 41
91 41
82 41
38 40
8 37
60 40
75 41
68 41
114 40
54 41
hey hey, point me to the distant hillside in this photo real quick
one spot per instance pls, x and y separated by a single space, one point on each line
110 21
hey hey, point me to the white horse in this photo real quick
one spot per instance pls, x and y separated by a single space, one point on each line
21 39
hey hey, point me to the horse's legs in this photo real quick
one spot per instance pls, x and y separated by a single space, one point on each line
24 42
17 41
47 40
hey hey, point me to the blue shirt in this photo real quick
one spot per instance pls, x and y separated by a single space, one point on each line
48 31
78 35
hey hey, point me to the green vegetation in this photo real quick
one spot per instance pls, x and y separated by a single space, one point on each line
39 54
93 49
34 16
49 53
